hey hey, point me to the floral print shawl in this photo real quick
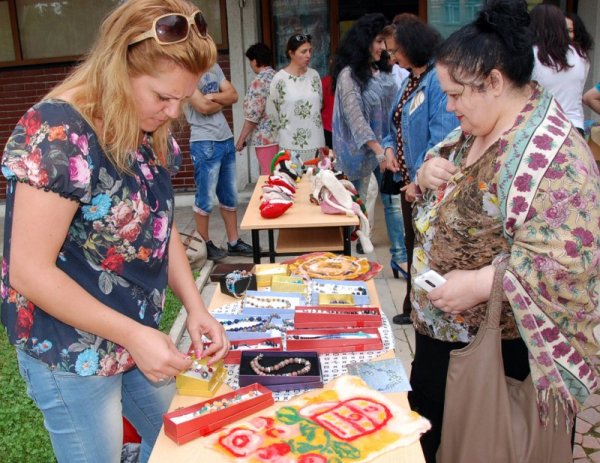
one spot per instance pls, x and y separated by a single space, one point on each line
116 247
547 189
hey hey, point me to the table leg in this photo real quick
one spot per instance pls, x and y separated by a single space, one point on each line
271 246
347 247
256 246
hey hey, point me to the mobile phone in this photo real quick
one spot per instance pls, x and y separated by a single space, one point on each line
429 280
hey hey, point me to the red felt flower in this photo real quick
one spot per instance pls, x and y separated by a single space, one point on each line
273 452
312 458
241 441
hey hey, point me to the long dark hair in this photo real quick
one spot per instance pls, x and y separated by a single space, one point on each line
355 50
499 38
583 42
550 36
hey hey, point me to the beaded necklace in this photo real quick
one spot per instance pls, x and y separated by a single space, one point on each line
270 371
267 302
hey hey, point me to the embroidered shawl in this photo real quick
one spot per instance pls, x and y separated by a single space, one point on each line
548 188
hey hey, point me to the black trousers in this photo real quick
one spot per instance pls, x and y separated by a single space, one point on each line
409 241
428 381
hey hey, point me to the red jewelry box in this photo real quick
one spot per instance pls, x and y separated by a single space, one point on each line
328 316
182 432
312 379
327 341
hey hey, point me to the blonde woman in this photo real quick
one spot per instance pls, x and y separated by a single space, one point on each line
90 243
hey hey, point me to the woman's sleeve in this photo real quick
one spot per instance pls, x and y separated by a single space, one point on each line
52 148
255 100
274 103
352 109
390 139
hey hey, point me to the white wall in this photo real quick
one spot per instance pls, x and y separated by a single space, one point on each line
243 30
589 11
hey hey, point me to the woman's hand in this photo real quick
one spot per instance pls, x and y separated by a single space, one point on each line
410 191
240 144
202 323
389 162
463 290
435 173
156 355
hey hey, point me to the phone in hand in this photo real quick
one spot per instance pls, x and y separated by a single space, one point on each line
429 280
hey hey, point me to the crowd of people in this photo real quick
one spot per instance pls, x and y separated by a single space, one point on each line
475 143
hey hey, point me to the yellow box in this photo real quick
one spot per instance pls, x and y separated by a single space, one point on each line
198 381
287 284
264 272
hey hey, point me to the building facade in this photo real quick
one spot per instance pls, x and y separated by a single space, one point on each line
37 50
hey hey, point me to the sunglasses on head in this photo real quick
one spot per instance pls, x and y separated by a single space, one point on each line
173 28
301 38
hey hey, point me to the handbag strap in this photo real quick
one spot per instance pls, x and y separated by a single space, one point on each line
494 308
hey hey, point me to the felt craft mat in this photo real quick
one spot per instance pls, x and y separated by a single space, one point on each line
346 422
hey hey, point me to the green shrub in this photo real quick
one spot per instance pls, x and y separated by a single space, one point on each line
23 437
22 433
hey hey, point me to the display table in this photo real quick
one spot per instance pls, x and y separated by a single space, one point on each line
166 451
302 228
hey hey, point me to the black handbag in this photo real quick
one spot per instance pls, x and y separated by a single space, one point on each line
388 185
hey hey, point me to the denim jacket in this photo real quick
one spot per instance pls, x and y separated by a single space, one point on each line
425 122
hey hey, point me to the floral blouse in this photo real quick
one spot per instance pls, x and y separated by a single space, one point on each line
255 103
294 107
116 246
533 198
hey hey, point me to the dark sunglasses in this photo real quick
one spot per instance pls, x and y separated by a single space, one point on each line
301 38
174 28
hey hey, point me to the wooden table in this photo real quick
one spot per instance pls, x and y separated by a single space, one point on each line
167 451
302 228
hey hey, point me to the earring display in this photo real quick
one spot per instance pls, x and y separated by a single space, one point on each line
201 379
282 365
323 316
272 300
334 339
336 299
264 272
185 424
216 405
356 289
264 302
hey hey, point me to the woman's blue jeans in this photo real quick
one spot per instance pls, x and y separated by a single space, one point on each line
83 414
394 221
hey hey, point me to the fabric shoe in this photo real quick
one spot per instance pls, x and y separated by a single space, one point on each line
240 249
214 253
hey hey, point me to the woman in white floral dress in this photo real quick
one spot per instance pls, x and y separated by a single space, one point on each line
295 100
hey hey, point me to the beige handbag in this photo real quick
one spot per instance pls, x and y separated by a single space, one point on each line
489 417
195 249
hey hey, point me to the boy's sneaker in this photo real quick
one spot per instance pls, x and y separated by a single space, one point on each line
240 249
213 252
